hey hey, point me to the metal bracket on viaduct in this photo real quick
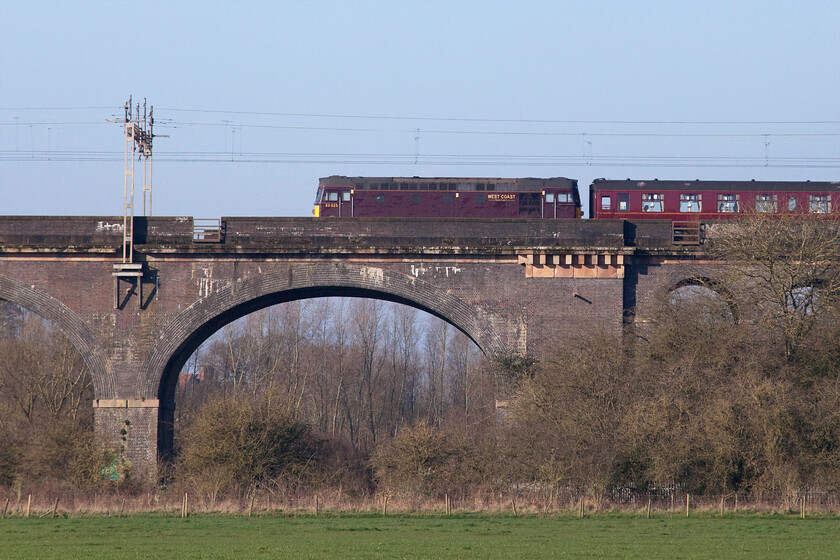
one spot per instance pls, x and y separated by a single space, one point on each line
510 285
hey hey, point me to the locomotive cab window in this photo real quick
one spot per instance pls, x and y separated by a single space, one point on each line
765 203
345 196
689 203
819 204
624 201
563 197
727 203
332 196
652 202
549 197
605 203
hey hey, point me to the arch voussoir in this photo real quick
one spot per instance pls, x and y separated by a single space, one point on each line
70 325
301 281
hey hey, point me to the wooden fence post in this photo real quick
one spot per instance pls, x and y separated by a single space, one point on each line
687 502
55 507
28 505
6 508
316 505
648 508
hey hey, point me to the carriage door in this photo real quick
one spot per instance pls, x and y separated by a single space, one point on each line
549 205
345 203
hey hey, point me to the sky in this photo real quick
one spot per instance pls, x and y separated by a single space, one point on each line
254 101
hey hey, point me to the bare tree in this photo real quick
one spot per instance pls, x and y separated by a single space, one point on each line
784 267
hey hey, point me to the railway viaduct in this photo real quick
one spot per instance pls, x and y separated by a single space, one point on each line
510 285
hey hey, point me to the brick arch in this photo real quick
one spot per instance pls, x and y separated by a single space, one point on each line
301 281
711 284
70 325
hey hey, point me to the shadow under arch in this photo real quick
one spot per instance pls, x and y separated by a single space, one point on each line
198 322
711 285
70 325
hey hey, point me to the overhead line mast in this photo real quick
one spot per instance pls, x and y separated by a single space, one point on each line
139 134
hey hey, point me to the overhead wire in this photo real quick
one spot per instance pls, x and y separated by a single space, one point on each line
438 159
465 119
176 124
588 134
434 159
445 119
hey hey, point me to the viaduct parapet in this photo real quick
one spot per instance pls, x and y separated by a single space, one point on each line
510 285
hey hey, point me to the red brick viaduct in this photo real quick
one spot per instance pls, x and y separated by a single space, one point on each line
510 285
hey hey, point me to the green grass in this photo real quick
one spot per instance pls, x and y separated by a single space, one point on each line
415 536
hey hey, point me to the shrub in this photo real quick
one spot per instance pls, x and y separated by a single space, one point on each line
235 443
420 461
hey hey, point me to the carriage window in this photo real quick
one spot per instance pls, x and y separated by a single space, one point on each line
605 203
765 203
624 201
549 198
380 198
333 196
819 204
345 196
791 204
652 202
727 203
689 203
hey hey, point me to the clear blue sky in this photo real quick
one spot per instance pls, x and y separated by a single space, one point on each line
260 99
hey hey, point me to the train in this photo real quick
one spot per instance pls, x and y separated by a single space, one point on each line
558 197
447 197
701 201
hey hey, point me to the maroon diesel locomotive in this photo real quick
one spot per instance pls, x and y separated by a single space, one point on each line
703 201
447 197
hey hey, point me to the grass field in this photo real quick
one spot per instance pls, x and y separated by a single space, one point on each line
415 536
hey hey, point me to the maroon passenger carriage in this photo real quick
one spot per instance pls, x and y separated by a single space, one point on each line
446 197
688 204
